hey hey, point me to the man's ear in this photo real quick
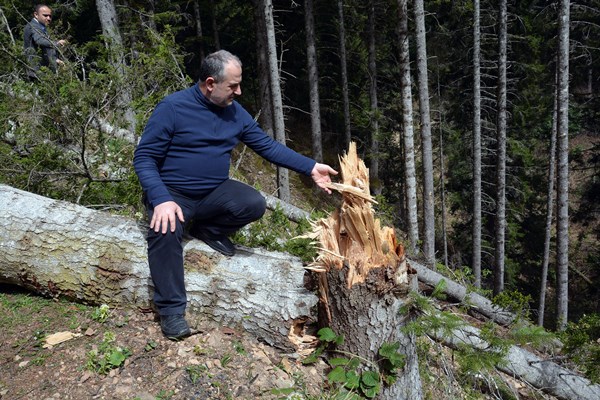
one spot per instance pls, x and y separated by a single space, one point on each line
209 82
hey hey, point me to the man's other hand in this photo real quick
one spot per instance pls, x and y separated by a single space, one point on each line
164 215
320 174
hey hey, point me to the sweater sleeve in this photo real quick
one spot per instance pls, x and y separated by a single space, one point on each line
268 148
151 152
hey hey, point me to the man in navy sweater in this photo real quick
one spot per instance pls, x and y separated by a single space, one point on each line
182 162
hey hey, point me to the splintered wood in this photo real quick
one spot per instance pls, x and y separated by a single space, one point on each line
352 236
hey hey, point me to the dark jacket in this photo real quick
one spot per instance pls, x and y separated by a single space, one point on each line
39 49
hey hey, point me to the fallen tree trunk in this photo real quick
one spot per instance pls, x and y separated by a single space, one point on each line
363 281
292 212
524 365
476 301
62 249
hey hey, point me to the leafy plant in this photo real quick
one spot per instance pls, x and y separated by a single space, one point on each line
582 344
107 356
101 314
353 376
277 233
195 372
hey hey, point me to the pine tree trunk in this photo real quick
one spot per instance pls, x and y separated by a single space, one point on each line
110 29
549 217
407 124
426 146
374 170
199 34
266 109
313 82
476 261
500 217
215 26
283 180
562 214
344 75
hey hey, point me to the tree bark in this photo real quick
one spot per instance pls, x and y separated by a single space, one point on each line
476 229
549 215
426 146
344 75
313 82
62 249
500 216
562 185
363 276
407 124
283 179
114 41
459 292
374 170
199 34
266 102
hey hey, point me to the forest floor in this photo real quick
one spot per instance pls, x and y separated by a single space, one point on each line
217 362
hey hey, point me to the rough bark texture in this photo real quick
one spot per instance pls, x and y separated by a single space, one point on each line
410 173
545 375
500 216
476 261
313 82
283 180
562 184
344 74
426 145
62 249
363 278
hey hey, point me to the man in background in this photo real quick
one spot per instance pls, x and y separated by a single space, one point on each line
39 49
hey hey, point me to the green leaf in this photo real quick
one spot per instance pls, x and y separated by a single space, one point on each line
116 358
370 379
313 357
352 380
334 362
372 391
327 335
337 375
388 350
354 363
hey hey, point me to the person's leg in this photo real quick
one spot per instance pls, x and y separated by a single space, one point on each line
231 206
165 258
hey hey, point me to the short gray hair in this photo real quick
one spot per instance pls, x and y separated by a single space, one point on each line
214 65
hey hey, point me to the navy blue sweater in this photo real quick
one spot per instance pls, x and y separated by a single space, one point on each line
187 143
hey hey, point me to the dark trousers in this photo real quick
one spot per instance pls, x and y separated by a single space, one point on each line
226 209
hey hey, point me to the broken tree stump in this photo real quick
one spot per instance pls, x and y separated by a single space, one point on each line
363 278
61 249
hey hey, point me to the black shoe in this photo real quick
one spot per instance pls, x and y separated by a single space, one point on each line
174 326
221 243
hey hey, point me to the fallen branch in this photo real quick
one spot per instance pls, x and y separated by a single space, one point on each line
522 364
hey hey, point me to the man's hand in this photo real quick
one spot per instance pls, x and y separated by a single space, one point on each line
320 174
62 42
164 215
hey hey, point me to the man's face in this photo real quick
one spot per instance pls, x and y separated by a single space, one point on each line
222 93
43 15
